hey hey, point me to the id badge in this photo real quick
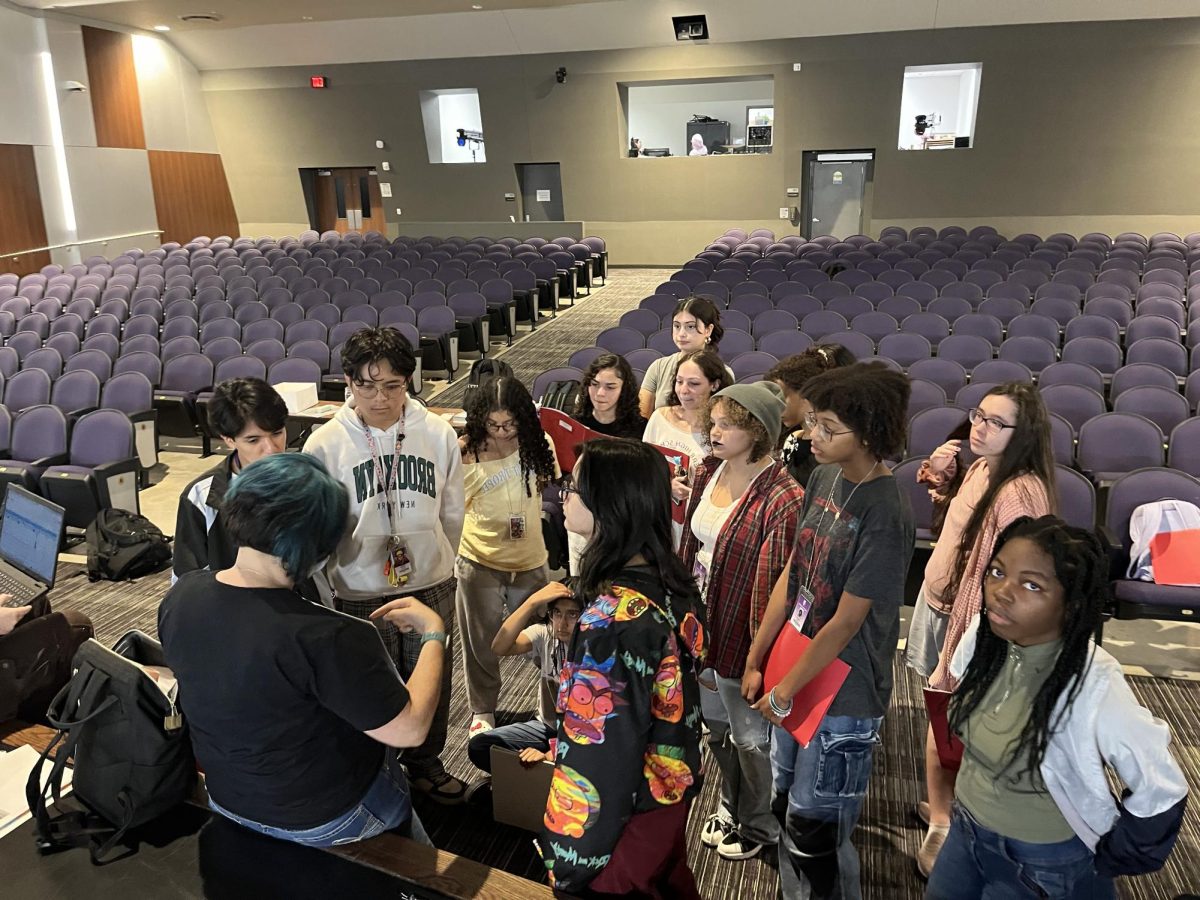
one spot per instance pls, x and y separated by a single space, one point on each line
516 527
804 602
398 566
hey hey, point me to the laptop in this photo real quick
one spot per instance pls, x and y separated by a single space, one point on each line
31 531
519 792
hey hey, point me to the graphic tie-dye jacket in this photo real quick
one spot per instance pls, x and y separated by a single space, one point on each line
629 722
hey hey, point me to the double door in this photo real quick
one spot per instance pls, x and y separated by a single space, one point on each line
348 200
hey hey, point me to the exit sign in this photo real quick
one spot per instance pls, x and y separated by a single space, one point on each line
317 81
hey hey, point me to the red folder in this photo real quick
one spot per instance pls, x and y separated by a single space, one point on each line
1175 557
677 460
949 747
567 435
811 704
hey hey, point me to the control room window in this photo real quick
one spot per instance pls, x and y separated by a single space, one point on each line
938 106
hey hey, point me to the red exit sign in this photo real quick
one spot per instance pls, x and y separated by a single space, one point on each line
318 81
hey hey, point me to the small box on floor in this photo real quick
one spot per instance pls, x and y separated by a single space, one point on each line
297 395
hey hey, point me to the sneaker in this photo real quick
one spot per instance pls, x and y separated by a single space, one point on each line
480 723
441 787
480 793
930 848
734 846
921 811
714 830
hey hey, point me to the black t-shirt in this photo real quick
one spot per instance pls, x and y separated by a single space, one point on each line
277 692
612 429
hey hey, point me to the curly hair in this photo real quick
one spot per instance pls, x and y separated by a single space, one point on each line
710 364
706 311
1081 567
629 418
870 399
509 395
739 417
793 371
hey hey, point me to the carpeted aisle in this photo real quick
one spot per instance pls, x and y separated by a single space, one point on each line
887 838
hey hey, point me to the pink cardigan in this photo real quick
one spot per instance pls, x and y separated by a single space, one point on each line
1022 496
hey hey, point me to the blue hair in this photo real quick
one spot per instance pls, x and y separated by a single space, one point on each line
289 506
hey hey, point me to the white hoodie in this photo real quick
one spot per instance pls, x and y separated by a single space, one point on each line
429 517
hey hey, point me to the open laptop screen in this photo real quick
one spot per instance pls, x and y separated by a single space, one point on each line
30 532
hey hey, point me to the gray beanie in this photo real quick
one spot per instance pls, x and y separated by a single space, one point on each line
763 400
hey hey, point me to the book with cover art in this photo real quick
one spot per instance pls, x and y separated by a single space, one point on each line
810 705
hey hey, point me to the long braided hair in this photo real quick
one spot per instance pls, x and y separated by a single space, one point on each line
510 395
1081 567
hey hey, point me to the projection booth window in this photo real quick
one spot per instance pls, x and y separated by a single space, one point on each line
453 125
705 117
938 106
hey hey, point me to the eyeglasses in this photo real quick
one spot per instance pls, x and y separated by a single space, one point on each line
567 486
990 423
816 429
510 425
369 389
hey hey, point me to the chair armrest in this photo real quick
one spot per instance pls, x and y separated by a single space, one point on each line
146 415
58 459
1118 556
117 467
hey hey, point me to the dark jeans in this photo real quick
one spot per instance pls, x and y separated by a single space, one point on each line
975 862
515 737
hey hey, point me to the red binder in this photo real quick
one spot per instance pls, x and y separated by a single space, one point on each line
949 747
567 435
811 704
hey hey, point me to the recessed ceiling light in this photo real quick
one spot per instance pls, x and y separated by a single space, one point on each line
162 27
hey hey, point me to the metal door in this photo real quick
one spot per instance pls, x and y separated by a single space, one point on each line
541 191
835 192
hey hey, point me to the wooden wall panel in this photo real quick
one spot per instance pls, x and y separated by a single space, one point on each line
113 87
22 224
191 195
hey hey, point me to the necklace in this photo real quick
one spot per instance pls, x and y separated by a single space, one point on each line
837 517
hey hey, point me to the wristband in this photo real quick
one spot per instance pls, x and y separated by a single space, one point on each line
782 712
439 636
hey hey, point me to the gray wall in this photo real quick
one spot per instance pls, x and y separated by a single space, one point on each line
1079 126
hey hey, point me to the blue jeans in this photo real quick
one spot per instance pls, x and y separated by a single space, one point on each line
740 741
514 737
825 783
387 805
975 862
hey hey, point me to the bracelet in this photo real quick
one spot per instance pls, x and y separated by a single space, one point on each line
439 636
781 711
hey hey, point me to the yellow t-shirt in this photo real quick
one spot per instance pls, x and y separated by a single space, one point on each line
495 496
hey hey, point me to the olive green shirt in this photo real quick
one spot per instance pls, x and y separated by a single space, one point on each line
997 789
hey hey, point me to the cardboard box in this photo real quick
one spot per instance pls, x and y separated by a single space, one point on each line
297 395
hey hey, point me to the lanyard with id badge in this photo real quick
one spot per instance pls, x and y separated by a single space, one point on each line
397 566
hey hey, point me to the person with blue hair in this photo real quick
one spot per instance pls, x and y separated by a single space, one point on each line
295 709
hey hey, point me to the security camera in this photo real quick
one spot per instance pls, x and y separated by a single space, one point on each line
561 75
74 87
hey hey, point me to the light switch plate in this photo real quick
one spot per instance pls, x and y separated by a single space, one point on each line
397 210
795 67
379 145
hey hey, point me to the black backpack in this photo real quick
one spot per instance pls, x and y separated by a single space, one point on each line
484 370
132 755
561 395
121 545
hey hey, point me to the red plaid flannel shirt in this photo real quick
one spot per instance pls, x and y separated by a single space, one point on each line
752 551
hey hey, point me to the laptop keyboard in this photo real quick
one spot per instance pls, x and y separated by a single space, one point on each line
19 589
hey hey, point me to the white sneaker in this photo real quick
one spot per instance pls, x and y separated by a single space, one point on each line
714 830
480 723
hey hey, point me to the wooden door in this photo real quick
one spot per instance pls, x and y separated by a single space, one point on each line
349 200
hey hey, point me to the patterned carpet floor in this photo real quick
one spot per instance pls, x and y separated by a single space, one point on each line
887 837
